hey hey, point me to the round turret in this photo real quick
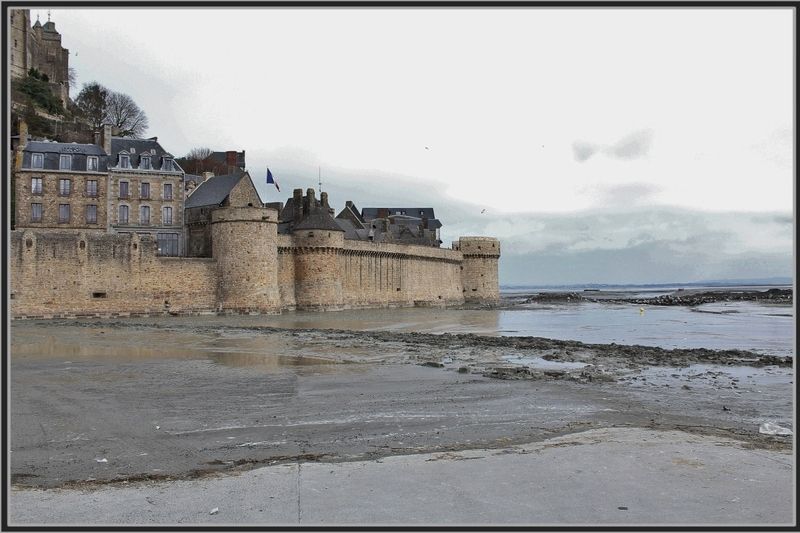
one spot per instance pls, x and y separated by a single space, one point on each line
244 243
317 242
318 277
479 269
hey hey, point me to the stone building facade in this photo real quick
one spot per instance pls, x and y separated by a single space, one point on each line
61 186
145 191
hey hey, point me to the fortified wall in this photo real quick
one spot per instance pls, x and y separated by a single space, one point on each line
253 270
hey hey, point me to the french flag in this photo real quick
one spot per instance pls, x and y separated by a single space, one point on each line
271 180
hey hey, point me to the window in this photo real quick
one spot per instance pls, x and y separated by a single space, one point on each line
123 214
144 215
168 244
91 214
91 188
63 213
167 191
145 162
64 187
167 216
37 161
167 164
65 162
92 163
36 212
145 190
124 161
123 189
36 185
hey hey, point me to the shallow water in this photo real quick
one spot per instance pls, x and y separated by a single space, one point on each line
763 328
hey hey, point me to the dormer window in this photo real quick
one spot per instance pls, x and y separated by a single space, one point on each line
167 164
65 162
124 161
92 163
144 163
37 161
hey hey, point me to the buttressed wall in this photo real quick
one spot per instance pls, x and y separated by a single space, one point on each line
253 270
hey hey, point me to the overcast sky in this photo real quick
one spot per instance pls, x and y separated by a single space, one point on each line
600 145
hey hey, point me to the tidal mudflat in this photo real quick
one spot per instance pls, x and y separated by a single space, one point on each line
100 408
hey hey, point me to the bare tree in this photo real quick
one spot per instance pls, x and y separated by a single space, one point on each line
72 77
123 113
198 154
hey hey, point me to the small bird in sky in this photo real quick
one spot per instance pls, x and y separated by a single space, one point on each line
483 211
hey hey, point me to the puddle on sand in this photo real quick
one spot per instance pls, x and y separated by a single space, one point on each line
544 364
716 376
263 353
269 362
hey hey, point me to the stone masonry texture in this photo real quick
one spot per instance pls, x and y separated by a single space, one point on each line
253 270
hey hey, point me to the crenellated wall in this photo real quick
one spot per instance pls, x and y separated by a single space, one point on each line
253 270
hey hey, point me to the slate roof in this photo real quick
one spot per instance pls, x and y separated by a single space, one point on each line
214 190
191 177
318 219
368 213
350 231
138 147
63 148
52 151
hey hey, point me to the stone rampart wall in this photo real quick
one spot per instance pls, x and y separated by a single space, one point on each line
80 273
399 275
66 274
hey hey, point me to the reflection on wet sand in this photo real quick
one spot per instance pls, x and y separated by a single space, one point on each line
271 362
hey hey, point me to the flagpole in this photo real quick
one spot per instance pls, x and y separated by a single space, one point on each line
319 175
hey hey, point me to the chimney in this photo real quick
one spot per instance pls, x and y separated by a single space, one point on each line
23 141
230 161
96 139
297 202
105 138
308 201
23 134
323 200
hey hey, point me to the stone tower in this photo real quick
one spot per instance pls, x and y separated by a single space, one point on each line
245 247
20 24
317 243
479 269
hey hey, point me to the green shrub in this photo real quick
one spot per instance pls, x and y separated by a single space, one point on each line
37 88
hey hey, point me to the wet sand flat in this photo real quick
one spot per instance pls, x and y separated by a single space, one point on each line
102 404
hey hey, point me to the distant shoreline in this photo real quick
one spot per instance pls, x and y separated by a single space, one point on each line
715 284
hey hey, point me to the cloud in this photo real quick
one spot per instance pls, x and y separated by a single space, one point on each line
632 146
628 195
583 150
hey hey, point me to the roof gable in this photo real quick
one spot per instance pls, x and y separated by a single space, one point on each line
214 190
